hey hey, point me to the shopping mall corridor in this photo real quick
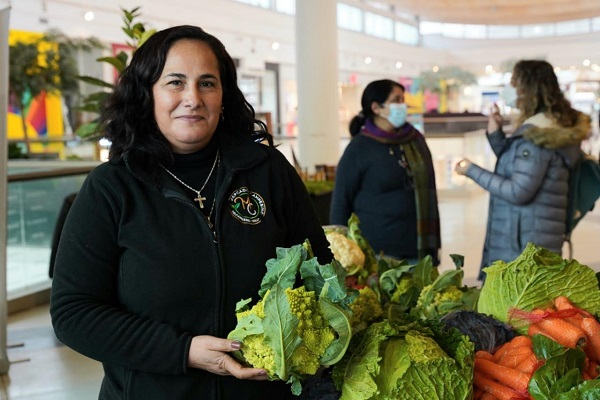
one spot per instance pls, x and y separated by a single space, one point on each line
43 369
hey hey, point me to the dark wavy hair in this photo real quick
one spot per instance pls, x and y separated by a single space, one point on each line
538 91
127 118
376 91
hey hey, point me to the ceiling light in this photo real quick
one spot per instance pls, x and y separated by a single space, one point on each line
398 65
275 46
368 60
89 16
586 63
435 68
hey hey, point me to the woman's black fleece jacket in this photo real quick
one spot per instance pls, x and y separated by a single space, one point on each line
138 272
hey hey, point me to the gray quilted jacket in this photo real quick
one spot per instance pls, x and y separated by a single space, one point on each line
528 188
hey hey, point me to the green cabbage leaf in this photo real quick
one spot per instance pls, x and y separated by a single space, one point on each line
534 280
416 360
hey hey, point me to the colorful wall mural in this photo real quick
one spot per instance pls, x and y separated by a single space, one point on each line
44 113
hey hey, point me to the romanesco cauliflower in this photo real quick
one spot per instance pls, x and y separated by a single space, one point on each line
346 251
406 282
365 309
312 328
292 332
444 301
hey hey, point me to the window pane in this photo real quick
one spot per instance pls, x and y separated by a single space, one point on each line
596 24
407 34
573 27
286 6
537 30
378 5
475 31
379 26
430 28
349 17
503 31
257 3
453 30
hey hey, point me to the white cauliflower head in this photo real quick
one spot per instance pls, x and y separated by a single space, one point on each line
346 251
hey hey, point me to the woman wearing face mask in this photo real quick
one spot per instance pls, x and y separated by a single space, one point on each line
386 178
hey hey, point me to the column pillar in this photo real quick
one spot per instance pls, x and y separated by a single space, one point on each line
317 77
4 19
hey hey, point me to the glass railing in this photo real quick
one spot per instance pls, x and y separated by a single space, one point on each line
36 192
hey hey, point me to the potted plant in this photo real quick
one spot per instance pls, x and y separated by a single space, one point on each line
137 34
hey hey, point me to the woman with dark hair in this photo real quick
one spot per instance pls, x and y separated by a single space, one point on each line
529 186
386 178
166 237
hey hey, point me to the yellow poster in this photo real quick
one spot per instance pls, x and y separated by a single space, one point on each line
43 114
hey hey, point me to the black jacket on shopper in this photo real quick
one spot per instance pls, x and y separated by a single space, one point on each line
138 273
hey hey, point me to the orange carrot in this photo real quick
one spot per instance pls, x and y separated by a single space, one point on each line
529 365
521 340
477 393
535 329
488 396
501 350
563 332
489 385
510 377
515 356
592 369
517 341
563 303
484 354
591 327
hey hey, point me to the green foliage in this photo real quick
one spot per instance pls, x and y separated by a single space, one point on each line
560 375
452 76
406 359
319 187
137 34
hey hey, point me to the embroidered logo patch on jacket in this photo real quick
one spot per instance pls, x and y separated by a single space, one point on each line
246 206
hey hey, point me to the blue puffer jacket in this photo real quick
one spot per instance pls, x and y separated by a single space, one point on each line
528 188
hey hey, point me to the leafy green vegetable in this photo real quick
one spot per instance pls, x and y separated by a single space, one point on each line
560 376
413 360
421 290
534 280
294 330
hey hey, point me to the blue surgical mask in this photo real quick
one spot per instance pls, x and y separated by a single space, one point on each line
397 115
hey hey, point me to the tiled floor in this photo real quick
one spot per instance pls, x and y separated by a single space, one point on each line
43 369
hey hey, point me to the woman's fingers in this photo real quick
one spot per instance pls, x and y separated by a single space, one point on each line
236 369
210 353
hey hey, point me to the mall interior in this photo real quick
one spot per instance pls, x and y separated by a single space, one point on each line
303 65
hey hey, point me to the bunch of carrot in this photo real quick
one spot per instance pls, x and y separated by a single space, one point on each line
571 327
506 373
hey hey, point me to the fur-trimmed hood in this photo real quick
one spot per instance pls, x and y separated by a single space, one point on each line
544 132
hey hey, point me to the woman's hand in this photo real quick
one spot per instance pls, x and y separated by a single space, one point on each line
495 119
210 354
462 166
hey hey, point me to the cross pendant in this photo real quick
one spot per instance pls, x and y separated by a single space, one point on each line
200 199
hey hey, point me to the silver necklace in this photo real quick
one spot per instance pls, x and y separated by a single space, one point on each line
199 198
